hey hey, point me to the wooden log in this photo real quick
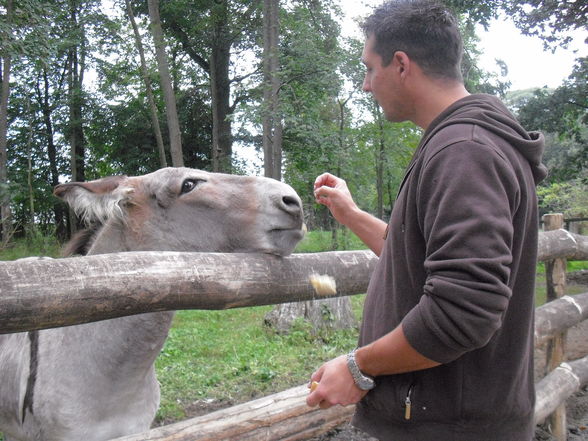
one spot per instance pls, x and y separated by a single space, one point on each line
42 292
37 293
555 274
283 416
555 388
558 315
562 244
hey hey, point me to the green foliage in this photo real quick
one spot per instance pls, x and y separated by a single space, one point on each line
561 110
329 124
318 241
569 197
549 20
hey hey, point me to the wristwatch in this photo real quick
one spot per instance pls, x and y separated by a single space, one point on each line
363 381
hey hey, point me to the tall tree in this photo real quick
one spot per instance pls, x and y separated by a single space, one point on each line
5 66
272 121
148 89
76 71
214 35
48 97
175 136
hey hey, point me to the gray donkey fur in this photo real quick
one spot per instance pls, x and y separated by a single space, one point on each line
97 381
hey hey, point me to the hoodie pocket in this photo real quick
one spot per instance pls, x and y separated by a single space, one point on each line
393 398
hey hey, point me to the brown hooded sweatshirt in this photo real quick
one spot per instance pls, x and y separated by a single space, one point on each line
458 272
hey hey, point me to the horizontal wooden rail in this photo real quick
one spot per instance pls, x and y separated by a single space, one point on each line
42 293
38 293
558 315
562 244
556 387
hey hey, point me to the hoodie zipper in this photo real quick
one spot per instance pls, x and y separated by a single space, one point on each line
408 403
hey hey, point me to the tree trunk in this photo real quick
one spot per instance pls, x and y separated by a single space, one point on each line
272 124
5 214
43 98
148 89
76 134
336 313
175 137
31 227
380 158
220 87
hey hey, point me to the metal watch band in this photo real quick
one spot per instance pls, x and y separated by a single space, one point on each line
364 382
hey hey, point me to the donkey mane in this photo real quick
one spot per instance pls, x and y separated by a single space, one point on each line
81 242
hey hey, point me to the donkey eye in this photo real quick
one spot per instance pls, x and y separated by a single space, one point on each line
189 184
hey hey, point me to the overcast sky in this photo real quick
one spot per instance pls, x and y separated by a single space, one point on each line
528 64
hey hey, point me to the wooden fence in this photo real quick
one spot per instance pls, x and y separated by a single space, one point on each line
39 293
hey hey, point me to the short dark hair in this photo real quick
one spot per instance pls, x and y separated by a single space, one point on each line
424 29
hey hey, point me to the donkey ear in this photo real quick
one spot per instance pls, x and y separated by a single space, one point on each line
96 201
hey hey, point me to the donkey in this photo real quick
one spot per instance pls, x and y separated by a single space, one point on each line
97 381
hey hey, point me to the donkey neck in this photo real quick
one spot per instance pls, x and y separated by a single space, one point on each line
131 342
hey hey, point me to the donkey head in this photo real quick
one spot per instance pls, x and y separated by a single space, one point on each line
182 209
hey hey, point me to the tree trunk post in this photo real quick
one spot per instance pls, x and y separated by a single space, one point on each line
173 123
555 273
5 213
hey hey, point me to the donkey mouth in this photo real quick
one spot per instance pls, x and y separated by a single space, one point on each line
286 239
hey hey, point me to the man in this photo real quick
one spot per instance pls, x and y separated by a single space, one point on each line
446 344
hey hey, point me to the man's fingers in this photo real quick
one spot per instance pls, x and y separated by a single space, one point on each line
323 192
328 180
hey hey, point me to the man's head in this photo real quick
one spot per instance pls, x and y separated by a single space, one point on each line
423 29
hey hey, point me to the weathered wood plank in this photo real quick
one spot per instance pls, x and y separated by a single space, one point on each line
283 416
562 244
559 315
556 387
42 292
39 293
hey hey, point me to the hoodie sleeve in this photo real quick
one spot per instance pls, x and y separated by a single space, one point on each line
468 193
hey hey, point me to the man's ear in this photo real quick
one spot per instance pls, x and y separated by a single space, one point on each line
401 62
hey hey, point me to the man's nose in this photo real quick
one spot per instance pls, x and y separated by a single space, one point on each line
366 85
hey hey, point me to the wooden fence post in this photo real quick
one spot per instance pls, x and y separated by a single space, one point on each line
555 274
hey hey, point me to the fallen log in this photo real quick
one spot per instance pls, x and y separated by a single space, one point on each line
37 293
283 416
556 387
558 315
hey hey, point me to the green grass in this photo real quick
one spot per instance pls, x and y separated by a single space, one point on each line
32 246
230 356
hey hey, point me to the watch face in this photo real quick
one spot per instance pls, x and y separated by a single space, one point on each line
366 384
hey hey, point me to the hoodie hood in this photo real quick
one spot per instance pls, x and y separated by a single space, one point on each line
490 113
